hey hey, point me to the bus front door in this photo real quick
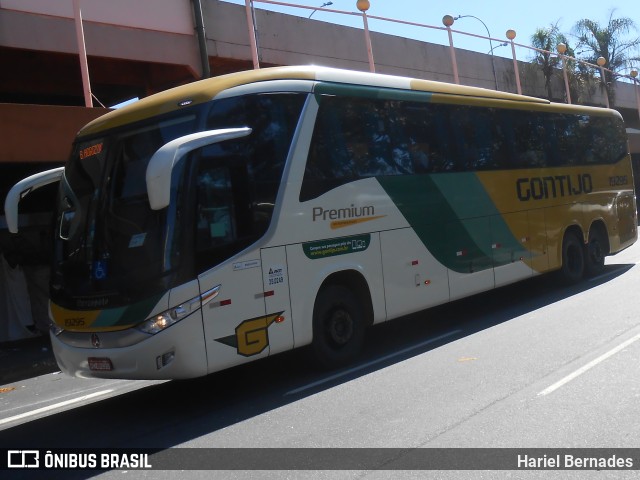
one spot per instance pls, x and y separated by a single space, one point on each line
234 320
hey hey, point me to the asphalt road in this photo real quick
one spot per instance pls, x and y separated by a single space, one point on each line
532 365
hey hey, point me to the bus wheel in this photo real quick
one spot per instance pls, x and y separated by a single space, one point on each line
573 258
338 327
595 252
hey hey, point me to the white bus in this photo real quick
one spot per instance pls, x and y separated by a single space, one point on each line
244 215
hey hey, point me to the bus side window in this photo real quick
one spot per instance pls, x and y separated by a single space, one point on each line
500 143
354 138
609 139
616 140
366 133
215 208
551 140
440 136
418 136
529 140
327 154
223 222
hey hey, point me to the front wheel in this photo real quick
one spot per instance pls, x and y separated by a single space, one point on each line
338 327
573 258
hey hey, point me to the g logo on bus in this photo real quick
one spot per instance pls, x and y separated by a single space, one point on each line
95 340
252 336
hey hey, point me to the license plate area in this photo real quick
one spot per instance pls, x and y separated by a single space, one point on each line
100 364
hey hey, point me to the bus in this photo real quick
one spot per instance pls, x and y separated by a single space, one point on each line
244 215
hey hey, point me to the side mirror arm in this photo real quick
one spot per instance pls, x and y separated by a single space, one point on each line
162 162
22 189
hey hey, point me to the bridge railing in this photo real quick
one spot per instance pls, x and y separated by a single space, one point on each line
364 5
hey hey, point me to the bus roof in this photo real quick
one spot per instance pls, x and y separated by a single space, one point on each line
205 90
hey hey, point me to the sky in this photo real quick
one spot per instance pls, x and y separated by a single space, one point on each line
499 16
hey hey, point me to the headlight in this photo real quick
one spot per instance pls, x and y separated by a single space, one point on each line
159 322
165 319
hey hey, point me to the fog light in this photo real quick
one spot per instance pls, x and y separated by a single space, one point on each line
164 360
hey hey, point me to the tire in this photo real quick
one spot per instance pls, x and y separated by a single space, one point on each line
595 252
338 327
573 259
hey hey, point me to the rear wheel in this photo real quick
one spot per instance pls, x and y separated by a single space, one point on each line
596 251
573 258
338 326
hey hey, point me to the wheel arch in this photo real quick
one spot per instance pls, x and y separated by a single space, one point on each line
355 281
576 230
600 226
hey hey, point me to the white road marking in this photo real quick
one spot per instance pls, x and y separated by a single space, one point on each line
373 362
55 406
588 366
103 384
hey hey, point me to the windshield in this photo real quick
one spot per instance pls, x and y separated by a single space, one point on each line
112 249
108 241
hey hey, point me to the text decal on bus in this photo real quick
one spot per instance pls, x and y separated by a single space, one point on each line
336 246
540 188
345 217
252 336
91 151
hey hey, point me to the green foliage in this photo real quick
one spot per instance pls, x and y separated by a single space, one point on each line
593 40
611 42
546 41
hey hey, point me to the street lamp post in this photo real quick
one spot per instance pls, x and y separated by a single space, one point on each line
253 41
601 61
325 4
562 48
493 65
634 74
363 6
447 21
82 53
503 44
511 34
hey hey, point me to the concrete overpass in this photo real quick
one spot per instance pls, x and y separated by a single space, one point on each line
142 47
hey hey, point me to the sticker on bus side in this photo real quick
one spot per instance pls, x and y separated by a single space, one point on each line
276 275
336 246
252 336
246 265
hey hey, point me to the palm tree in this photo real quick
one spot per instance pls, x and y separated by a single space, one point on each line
545 40
609 42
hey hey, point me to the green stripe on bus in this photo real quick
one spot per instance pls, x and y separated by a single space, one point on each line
455 219
126 316
139 311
